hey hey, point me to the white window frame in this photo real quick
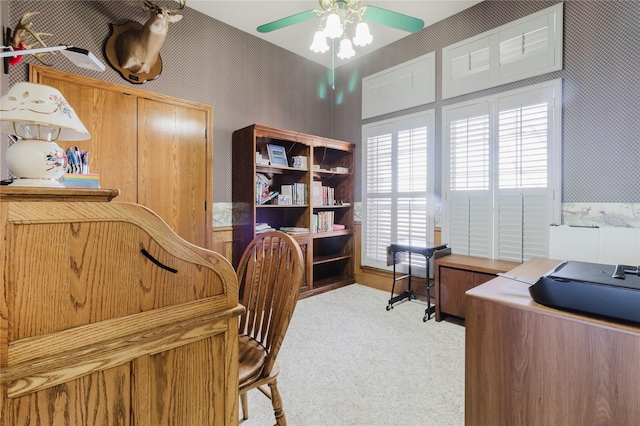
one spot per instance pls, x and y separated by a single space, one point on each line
395 125
491 104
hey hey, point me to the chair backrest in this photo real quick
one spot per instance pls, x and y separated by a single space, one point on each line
270 275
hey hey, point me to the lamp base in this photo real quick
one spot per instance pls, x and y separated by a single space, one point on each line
36 163
43 183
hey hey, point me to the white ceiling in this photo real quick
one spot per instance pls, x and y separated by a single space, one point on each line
247 15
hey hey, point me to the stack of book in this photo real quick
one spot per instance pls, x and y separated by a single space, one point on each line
294 230
340 169
81 180
263 227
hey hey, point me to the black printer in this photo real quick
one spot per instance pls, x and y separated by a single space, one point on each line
608 290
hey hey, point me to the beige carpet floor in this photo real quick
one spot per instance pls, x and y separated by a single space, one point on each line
346 360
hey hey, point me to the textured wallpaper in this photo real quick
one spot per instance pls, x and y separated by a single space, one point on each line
247 80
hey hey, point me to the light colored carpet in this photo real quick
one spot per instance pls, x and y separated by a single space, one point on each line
346 360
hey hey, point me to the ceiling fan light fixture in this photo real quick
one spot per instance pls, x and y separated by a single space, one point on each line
346 49
319 44
333 27
363 37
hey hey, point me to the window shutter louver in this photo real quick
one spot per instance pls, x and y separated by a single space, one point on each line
523 147
504 213
526 47
523 137
522 227
470 225
378 228
469 181
398 180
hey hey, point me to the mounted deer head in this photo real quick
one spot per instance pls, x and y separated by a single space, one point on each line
138 49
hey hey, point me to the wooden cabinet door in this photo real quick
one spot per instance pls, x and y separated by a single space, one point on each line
111 119
172 162
98 399
453 285
153 148
184 385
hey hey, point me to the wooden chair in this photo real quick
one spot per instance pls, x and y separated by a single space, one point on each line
269 274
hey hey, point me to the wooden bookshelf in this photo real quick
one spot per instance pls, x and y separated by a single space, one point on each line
329 256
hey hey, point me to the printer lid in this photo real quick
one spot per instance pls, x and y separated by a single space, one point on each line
593 273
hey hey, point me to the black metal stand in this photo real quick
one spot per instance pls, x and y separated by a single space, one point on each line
427 251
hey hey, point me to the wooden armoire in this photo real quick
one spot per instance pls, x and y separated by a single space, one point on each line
157 150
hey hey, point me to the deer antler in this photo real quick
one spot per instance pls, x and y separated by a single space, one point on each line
149 5
23 34
182 5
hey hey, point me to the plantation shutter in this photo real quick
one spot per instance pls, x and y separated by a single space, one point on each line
399 179
469 184
466 67
527 46
379 186
523 216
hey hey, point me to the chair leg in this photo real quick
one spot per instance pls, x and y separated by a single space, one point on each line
245 406
276 401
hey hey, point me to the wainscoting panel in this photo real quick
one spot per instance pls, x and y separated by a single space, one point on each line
597 245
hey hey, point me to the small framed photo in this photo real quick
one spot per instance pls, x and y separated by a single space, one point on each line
277 155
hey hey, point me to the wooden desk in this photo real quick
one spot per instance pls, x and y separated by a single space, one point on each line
528 364
107 317
455 274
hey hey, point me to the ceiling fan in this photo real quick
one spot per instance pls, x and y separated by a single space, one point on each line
338 16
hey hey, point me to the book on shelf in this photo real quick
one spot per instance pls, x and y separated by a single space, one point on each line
323 221
268 197
263 227
262 231
262 191
294 230
328 196
340 169
322 195
299 195
286 190
283 200
338 227
316 193
260 160
299 162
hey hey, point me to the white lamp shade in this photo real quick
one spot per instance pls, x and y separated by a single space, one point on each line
319 44
363 36
346 49
333 27
39 105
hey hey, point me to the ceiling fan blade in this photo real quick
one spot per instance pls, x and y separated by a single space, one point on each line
393 19
285 22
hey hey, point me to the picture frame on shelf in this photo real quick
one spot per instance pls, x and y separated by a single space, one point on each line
277 155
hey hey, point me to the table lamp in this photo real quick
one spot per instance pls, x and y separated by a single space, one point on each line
38 115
